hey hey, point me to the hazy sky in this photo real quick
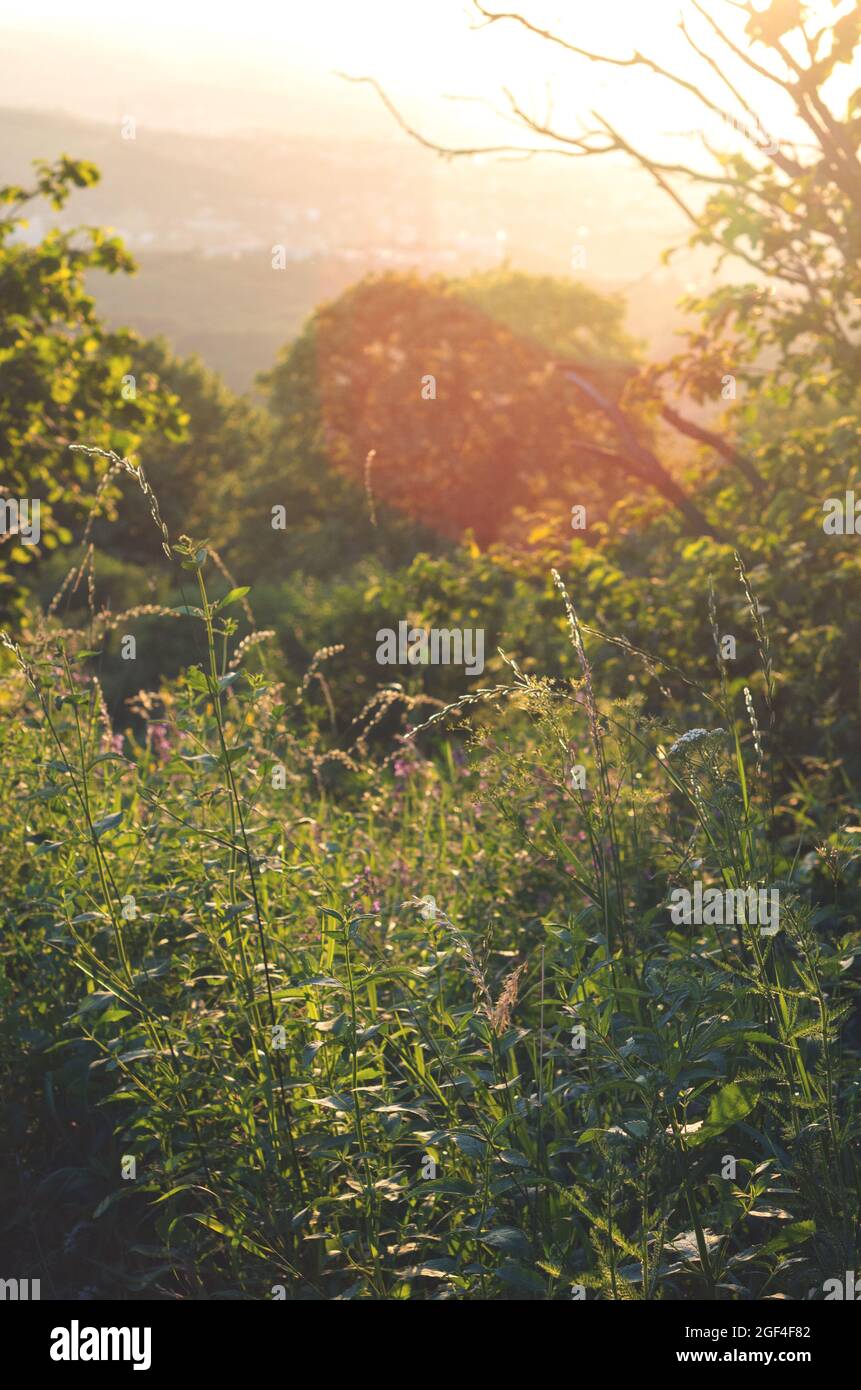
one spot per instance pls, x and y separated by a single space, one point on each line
212 65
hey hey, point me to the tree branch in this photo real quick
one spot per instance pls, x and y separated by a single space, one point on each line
718 443
642 462
448 150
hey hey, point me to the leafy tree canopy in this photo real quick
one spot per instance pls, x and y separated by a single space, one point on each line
445 399
64 377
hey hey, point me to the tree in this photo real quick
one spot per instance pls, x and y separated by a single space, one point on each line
427 399
64 378
565 317
788 207
198 477
297 513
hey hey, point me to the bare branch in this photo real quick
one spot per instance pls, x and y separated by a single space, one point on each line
717 442
616 144
637 59
788 166
451 151
652 168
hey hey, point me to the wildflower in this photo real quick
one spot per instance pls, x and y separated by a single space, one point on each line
364 885
692 739
405 761
160 741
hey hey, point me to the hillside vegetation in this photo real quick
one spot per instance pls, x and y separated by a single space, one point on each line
537 979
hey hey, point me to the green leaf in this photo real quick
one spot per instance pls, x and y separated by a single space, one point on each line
232 597
513 1159
796 1233
468 1144
509 1239
196 679
589 1135
107 823
519 1277
730 1104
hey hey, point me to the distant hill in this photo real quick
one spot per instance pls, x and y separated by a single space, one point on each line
202 214
233 312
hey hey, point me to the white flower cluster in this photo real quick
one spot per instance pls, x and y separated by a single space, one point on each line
687 742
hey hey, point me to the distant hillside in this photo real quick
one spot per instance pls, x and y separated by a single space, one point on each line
202 213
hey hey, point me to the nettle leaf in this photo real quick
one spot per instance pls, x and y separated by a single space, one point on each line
197 680
794 1234
731 1104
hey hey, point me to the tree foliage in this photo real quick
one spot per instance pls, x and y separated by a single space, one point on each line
446 401
61 370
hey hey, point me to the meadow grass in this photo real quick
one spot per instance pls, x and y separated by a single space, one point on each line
414 1023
